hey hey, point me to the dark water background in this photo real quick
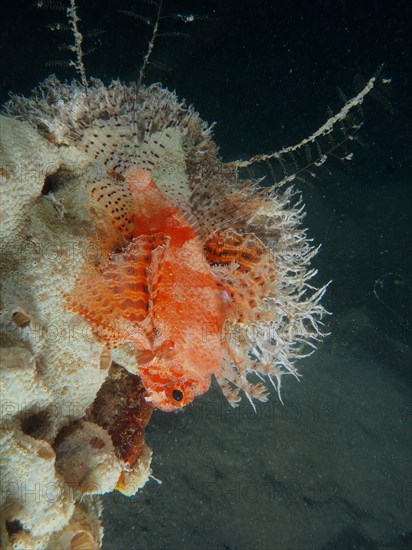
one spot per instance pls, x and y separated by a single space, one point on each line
332 468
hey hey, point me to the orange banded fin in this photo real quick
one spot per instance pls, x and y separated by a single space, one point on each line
225 247
116 301
245 270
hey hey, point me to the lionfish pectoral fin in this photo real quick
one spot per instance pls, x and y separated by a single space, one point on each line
244 269
116 301
246 249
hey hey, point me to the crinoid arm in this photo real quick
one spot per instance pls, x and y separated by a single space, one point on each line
292 163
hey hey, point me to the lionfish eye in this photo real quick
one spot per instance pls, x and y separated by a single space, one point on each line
177 395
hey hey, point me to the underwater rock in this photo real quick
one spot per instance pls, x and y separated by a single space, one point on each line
84 531
51 365
34 498
86 459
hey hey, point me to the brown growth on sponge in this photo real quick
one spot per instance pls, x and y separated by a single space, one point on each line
120 407
21 319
